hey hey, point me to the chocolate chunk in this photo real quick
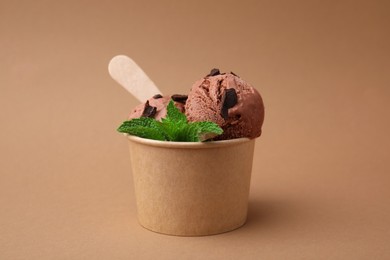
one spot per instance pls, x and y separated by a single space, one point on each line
179 98
229 100
157 96
149 111
231 72
214 72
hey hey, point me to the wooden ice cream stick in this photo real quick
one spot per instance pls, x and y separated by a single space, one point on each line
130 76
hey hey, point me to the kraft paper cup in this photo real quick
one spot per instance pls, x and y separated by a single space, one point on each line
191 189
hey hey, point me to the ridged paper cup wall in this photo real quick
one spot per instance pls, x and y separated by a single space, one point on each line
191 189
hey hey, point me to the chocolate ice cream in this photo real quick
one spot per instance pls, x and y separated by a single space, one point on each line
228 101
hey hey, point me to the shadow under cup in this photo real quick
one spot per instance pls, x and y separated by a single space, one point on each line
191 189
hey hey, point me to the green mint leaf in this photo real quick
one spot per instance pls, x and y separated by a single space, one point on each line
206 130
187 133
174 122
174 114
143 127
197 132
174 127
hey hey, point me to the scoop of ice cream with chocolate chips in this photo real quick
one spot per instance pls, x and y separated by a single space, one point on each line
230 102
156 106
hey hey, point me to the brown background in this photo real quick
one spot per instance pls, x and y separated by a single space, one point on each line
320 185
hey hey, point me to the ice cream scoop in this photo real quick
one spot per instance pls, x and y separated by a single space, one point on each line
229 101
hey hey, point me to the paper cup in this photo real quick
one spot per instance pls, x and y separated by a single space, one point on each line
191 189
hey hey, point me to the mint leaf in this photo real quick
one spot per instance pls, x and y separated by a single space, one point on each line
174 114
206 130
174 123
191 132
174 127
143 127
188 133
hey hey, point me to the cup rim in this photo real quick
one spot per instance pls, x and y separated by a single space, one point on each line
170 144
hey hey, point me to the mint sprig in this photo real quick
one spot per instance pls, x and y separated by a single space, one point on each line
145 127
174 127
